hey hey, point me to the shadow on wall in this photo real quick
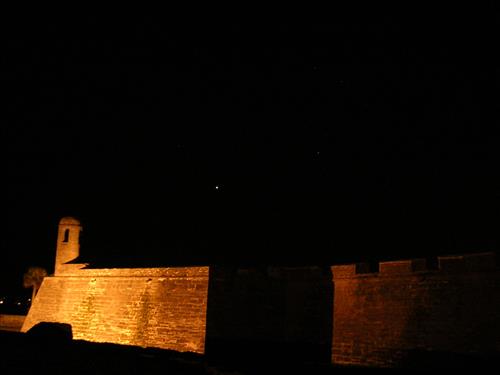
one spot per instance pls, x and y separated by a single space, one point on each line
270 314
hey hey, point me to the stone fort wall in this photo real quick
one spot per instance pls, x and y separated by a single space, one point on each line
10 322
345 314
150 307
381 318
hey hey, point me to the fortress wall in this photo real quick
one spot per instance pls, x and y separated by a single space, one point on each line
270 311
10 322
150 307
380 318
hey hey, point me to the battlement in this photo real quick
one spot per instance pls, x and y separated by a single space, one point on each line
451 263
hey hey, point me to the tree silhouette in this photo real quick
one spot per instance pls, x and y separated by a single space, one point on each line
33 279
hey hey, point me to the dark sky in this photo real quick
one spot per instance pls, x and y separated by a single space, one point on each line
320 143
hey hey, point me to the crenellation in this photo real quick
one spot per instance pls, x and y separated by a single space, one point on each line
450 263
344 271
402 267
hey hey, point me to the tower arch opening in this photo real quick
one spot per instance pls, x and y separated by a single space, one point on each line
66 236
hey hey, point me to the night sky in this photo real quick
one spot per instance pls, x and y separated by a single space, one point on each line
362 139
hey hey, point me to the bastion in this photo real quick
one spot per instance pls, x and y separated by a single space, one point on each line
347 314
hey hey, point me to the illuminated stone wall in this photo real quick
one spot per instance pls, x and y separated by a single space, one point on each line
378 318
11 322
150 307
382 318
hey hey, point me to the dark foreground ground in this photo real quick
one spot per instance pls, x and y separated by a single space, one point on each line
58 354
24 354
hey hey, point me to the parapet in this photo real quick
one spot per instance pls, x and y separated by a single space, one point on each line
452 263
68 220
162 272
468 262
350 270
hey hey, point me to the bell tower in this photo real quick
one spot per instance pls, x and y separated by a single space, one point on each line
68 243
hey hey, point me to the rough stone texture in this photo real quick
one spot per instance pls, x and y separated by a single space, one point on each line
377 319
68 245
11 322
150 307
380 318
